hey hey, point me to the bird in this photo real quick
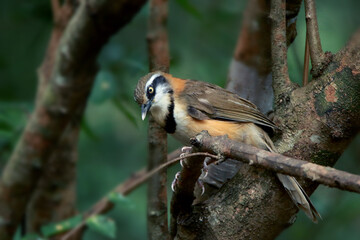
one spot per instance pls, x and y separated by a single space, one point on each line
185 107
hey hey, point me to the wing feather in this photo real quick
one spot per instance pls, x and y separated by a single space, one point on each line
208 100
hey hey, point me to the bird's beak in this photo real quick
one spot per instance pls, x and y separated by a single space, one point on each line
144 109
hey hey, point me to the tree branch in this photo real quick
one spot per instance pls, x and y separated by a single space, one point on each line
71 80
158 49
276 162
281 80
158 46
55 196
318 58
306 61
250 68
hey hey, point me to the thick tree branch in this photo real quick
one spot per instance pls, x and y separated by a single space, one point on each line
55 196
276 162
158 49
71 80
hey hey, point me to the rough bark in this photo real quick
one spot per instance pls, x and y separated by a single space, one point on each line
158 49
71 80
280 76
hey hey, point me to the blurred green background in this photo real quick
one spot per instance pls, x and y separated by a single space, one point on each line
113 143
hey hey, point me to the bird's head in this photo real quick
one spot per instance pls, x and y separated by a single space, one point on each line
154 93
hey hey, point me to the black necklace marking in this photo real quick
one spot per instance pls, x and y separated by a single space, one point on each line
170 124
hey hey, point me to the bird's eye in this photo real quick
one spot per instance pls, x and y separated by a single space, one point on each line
151 90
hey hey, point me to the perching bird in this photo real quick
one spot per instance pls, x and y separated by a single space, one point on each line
186 107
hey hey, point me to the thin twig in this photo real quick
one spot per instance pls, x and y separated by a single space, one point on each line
316 53
126 188
306 61
277 162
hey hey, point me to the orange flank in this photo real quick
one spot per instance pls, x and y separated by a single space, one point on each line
244 132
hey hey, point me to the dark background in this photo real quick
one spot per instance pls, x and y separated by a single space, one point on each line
113 141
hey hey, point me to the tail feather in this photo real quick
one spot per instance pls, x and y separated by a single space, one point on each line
295 191
299 196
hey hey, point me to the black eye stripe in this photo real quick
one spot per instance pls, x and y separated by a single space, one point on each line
158 80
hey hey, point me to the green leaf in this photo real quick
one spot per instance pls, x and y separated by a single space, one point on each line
102 225
56 228
188 7
119 105
118 198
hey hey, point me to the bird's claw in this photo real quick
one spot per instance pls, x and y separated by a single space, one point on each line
174 182
183 163
201 185
186 149
205 168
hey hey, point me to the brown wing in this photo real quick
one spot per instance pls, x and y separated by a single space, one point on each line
208 101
